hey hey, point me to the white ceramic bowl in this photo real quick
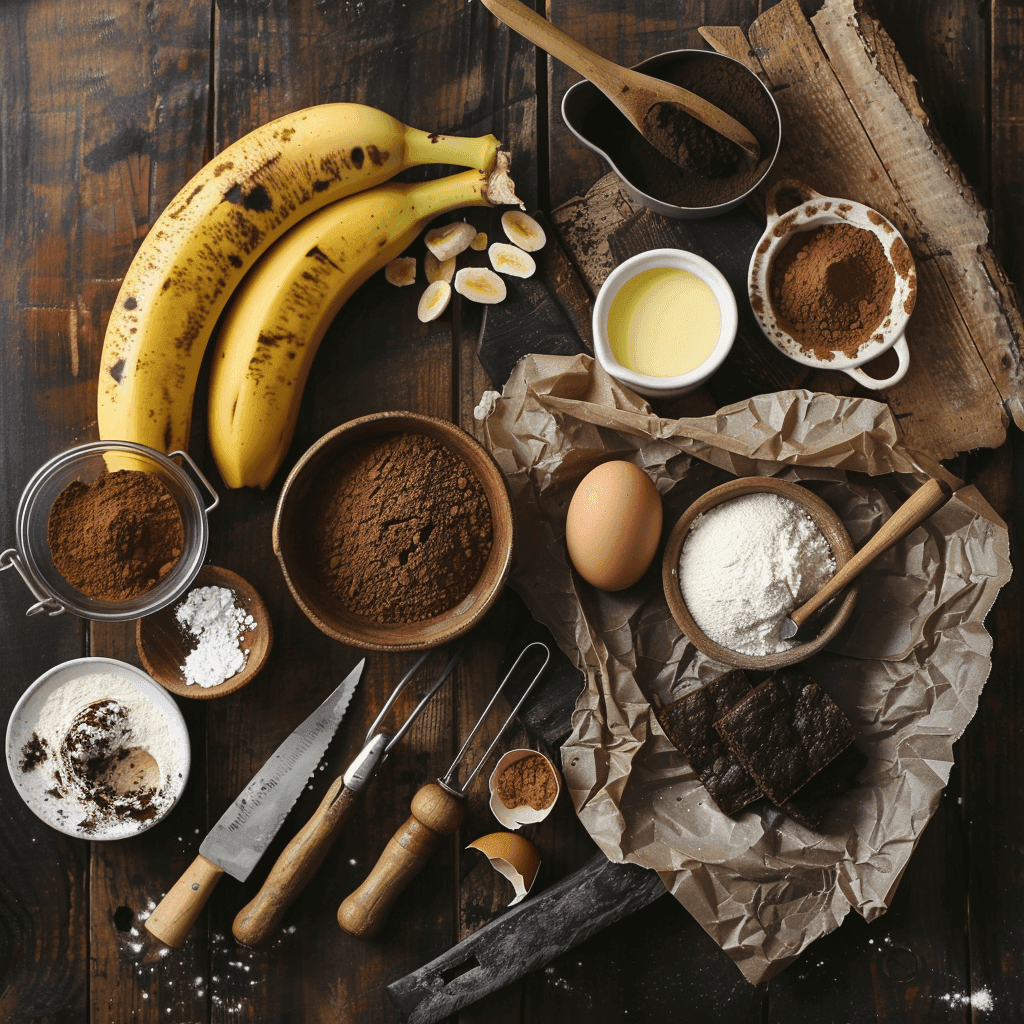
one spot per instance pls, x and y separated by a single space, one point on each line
146 698
648 384
814 211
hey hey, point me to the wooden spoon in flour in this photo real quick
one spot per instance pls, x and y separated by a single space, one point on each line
926 500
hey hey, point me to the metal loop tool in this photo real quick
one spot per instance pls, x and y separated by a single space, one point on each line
437 810
301 858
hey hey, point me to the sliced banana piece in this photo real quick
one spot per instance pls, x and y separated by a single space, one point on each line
401 271
435 270
433 301
523 230
511 260
480 242
479 284
448 241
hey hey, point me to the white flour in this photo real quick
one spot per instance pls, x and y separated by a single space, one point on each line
746 564
219 625
65 764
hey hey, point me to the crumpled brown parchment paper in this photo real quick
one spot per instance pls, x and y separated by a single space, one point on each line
908 670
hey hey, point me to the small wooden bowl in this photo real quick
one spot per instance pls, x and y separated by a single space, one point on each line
164 643
291 535
826 520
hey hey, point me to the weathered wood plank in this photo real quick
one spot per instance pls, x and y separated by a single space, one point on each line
993 773
524 938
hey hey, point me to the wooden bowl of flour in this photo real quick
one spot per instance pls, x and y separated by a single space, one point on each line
164 643
817 633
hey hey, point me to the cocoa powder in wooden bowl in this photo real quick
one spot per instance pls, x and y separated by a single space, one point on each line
818 632
395 532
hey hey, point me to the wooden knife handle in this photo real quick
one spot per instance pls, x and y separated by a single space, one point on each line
184 902
298 862
435 813
926 500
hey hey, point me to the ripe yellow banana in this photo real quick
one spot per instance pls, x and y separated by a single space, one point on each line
215 229
277 318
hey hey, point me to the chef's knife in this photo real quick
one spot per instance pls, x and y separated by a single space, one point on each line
247 827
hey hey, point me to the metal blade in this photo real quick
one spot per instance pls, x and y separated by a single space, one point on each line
249 825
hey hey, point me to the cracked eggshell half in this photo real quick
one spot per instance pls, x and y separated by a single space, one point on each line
524 814
512 856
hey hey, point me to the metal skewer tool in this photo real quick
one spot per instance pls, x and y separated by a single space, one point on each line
437 810
302 857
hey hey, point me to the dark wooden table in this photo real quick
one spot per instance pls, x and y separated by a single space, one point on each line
105 112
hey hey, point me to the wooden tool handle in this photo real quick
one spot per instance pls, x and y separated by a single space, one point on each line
542 33
184 902
435 813
927 499
298 862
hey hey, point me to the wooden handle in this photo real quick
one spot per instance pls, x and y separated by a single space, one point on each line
926 500
298 862
435 813
184 902
542 33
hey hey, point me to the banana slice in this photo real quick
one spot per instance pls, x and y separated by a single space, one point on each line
448 241
480 242
401 271
523 230
433 301
479 284
435 270
511 260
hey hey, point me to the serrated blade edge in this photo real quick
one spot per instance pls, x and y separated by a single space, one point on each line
248 826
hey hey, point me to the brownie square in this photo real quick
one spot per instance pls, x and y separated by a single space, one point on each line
690 724
812 801
784 732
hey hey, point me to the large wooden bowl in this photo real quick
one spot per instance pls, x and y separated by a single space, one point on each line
292 531
834 616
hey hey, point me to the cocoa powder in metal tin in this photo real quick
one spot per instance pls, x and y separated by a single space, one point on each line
115 537
402 530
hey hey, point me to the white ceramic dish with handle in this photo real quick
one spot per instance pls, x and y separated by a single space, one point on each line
816 210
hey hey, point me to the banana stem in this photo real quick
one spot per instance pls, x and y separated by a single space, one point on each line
430 148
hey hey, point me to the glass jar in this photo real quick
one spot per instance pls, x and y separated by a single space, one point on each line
87 462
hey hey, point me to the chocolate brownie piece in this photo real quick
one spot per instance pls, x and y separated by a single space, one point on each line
812 801
690 724
784 732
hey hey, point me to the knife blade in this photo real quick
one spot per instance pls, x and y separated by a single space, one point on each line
248 826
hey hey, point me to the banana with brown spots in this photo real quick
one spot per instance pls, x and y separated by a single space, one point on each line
214 230
279 315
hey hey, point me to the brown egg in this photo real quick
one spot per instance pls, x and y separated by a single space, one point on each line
613 525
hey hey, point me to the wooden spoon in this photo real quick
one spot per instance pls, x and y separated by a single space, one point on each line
651 105
927 499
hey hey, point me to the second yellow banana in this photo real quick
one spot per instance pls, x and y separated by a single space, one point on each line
280 313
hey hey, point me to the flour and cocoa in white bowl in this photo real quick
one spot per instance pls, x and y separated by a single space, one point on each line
97 749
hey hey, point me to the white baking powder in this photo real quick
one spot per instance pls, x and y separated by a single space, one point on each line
746 564
218 626
57 773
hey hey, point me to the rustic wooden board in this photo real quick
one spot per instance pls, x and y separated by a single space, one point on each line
851 128
103 115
